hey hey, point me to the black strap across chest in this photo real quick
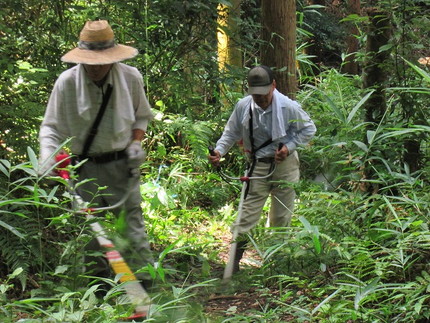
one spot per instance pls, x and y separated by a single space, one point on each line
254 150
251 136
93 130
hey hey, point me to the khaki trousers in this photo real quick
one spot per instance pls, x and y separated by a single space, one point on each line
277 186
133 241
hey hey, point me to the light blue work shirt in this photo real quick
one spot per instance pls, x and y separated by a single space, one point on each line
299 127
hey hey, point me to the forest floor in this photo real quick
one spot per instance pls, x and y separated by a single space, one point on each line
242 298
237 296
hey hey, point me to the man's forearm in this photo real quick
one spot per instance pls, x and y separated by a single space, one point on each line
49 142
138 134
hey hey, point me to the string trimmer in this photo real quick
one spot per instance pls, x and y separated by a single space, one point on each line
245 179
134 290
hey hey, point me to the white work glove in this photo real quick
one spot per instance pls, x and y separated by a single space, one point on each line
46 167
46 162
136 155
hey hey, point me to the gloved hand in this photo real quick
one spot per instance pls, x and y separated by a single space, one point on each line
136 155
46 162
46 167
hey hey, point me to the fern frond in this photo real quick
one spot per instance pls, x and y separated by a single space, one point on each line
15 251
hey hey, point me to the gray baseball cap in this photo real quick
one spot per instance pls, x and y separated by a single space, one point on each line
260 79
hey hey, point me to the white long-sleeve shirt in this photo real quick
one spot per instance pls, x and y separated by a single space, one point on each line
64 117
298 126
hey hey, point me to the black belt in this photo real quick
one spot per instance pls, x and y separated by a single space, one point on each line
105 158
267 160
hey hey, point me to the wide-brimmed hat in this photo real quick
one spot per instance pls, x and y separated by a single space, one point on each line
97 46
260 80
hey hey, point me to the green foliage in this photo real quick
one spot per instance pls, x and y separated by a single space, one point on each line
29 65
21 222
350 254
179 174
328 35
348 259
334 105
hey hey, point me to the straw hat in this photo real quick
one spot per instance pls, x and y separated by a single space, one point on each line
97 46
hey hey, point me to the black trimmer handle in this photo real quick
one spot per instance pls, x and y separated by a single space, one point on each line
280 146
211 151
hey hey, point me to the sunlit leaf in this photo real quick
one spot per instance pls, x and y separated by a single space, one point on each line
361 145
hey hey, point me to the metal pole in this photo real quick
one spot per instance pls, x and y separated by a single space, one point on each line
228 271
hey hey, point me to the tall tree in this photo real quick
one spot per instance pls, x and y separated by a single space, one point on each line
279 48
375 74
351 66
228 51
375 77
228 38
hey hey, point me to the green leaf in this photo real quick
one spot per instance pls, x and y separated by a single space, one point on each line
362 293
317 243
67 295
420 71
61 269
16 273
316 309
305 223
361 145
332 105
385 48
90 291
397 132
370 136
323 267
163 197
3 169
354 18
358 106
4 288
33 158
11 229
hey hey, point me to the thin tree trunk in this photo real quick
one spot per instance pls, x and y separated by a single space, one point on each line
350 65
375 74
315 50
279 49
228 52
375 77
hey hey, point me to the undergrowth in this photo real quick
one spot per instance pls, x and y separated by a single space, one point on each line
349 255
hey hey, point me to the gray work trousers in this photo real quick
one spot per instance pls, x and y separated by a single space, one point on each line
134 245
282 194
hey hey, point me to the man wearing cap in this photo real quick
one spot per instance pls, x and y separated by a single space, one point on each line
266 120
100 87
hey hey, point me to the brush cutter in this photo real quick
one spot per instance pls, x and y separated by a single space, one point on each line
245 179
134 290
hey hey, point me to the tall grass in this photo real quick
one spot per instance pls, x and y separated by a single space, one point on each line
348 255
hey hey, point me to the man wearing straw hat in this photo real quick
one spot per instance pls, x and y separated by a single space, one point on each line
101 88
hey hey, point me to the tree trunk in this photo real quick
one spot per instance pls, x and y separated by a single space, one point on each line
315 50
375 75
412 155
350 65
228 52
279 49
